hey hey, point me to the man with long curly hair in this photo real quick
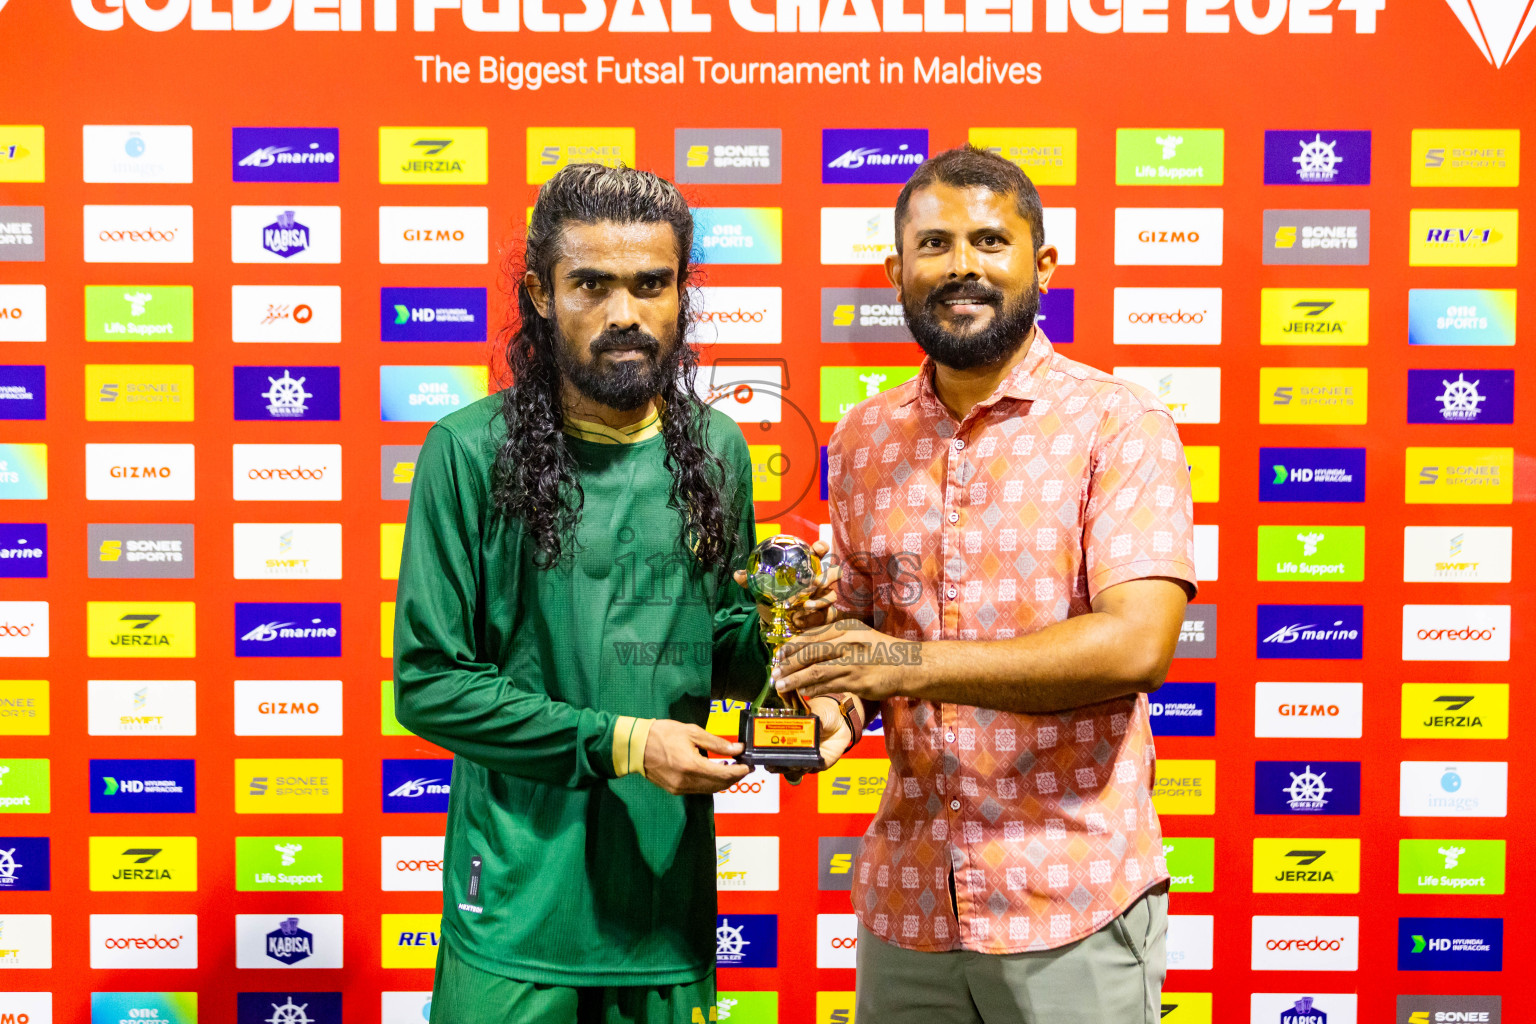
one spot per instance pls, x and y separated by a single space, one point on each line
565 613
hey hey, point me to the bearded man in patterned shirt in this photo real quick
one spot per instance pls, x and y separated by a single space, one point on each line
1027 521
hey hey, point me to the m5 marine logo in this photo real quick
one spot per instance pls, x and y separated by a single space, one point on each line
1314 316
140 551
1460 789
23 551
1305 943
727 156
1463 238
1497 28
1316 157
1457 554
140 472
1465 710
287 630
1461 396
871 155
433 156
1306 865
416 785
286 154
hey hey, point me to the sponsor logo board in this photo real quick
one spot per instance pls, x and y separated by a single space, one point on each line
1453 789
1311 553
727 156
1185 786
23 551
1306 865
1313 394
284 1006
1047 155
1458 554
739 315
288 941
1168 236
287 472
432 314
23 310
410 940
886 156
1167 316
1184 709
425 394
1438 1009
141 629
1191 942
133 234
276 234
1312 474
852 786
23 153
287 393
434 234
138 312
1308 709
1305 943
141 707
1461 316
756 793
1478 711
1450 944
287 707
1169 156
152 941
140 551
1314 316
1317 237
1317 157
288 786
1456 632
25 786
1295 1008
137 154
397 468
1462 238
145 786
287 629
23 234
1191 863
1191 393
287 551
747 863
550 149
143 863
140 472
411 863
747 940
1459 476
738 234
28 946
1465 158
139 392
1306 787
285 313
837 939
24 864
416 785
433 156
25 708
1451 866
1461 396
843 387
286 154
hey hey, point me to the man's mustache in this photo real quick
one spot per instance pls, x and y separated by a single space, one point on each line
634 338
970 291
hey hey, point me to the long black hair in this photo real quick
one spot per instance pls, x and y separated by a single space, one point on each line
534 479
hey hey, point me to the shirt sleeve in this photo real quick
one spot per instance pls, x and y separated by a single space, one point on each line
446 690
1140 513
740 656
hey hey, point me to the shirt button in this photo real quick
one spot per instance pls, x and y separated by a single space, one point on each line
959 445
949 737
951 592
954 805
954 517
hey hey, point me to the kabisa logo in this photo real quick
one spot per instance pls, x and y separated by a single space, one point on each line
285 236
1312 474
23 551
287 630
1310 631
284 1007
747 940
1461 396
288 943
1304 1011
1317 157
1306 787
287 154
727 156
22 234
143 786
23 393
1461 316
1497 28
287 392
1184 709
432 314
416 785
1450 944
24 864
872 155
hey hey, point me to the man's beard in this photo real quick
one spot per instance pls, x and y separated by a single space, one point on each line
625 385
1001 337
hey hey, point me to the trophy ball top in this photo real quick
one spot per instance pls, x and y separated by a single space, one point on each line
782 570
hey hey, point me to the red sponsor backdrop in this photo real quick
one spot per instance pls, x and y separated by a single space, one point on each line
1419 69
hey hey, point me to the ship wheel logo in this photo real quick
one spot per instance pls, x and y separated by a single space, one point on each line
1307 790
288 1013
1317 160
1460 399
285 397
728 940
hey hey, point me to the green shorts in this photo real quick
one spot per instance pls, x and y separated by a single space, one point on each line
462 994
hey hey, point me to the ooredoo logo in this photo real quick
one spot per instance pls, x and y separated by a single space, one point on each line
837 940
1449 632
155 941
738 316
138 234
287 472
411 863
1167 316
1306 943
23 629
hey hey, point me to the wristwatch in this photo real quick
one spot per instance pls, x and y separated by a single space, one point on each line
848 705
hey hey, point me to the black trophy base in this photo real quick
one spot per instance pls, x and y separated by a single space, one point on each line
778 738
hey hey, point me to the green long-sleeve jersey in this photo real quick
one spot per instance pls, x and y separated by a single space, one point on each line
558 870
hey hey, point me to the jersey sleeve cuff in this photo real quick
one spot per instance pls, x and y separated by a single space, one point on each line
629 737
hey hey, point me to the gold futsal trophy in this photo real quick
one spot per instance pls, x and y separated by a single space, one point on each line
782 573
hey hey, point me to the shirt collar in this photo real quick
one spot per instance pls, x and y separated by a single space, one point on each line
601 433
1024 382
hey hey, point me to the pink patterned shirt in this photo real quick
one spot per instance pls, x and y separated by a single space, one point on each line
1064 482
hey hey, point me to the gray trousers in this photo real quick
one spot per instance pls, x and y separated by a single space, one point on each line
1114 976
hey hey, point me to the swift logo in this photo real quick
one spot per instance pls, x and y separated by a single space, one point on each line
1498 27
